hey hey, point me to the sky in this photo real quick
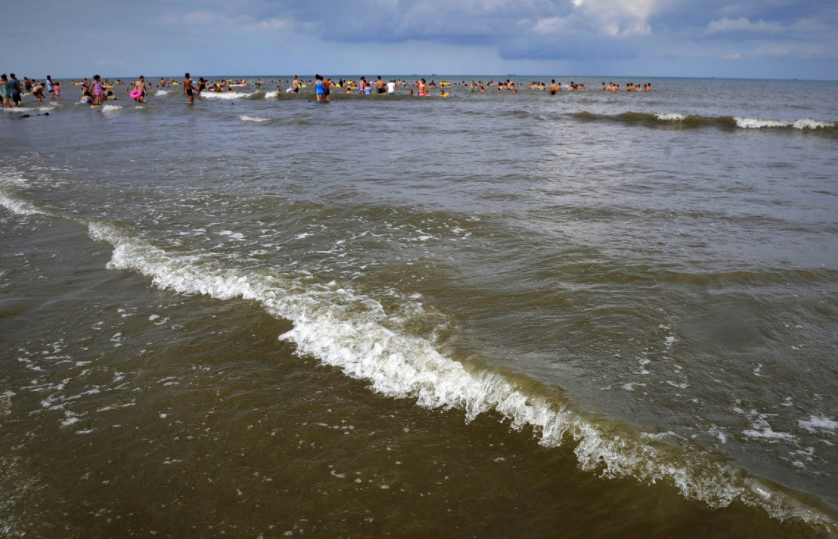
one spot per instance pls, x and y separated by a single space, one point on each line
775 39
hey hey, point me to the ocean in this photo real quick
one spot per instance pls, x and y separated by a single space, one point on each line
592 314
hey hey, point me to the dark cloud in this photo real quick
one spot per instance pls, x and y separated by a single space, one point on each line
624 33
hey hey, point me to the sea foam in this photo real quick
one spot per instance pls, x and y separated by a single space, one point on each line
671 116
257 119
226 95
804 123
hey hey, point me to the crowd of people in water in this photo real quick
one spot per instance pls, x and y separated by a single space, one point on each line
96 91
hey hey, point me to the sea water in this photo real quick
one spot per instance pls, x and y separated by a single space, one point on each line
492 314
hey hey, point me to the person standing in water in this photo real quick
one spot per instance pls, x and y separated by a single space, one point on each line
188 89
6 92
98 92
142 87
14 90
295 85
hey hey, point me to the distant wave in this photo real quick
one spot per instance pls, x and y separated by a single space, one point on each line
256 119
674 120
111 108
803 123
229 95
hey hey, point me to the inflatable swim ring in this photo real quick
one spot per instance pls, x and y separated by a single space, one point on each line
136 93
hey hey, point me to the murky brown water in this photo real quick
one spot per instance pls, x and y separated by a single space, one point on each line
412 327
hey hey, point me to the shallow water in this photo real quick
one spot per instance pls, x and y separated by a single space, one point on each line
588 314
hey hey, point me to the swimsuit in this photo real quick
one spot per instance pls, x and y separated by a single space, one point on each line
319 88
6 93
97 89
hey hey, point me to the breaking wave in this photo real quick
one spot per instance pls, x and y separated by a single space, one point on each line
256 119
229 95
353 332
685 121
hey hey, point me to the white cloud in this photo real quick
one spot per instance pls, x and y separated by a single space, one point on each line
276 25
620 17
549 25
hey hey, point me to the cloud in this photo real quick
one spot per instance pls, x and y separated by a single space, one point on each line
657 37
276 25
742 24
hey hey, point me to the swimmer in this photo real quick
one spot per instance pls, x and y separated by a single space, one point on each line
57 87
379 85
38 91
443 93
98 93
649 87
141 86
50 88
6 91
553 89
110 96
188 89
295 85
318 89
391 88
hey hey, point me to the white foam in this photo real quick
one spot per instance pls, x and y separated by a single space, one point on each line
269 95
161 93
18 206
257 119
815 423
670 117
804 123
111 108
226 95
761 429
769 434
